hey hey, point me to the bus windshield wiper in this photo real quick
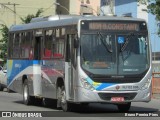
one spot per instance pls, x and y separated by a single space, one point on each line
127 41
105 44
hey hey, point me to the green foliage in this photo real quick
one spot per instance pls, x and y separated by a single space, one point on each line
4 31
28 18
154 8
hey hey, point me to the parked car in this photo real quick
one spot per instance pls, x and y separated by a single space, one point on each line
3 77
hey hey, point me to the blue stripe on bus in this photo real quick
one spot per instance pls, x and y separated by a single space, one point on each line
104 85
89 80
36 62
99 86
14 67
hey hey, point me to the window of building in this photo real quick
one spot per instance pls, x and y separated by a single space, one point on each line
86 10
82 1
87 1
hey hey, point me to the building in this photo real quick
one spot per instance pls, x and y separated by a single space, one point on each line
22 9
12 10
156 61
78 7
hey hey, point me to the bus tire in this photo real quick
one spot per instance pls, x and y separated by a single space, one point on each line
49 102
61 99
8 90
27 99
84 104
124 107
1 88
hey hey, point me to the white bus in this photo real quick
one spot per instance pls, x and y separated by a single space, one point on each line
81 60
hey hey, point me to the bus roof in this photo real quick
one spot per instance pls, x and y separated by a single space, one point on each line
64 20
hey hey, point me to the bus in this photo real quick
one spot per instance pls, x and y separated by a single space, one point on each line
81 60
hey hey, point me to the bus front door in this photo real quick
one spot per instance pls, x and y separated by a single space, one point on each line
70 72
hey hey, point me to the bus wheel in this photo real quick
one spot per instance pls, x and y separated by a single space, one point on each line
1 88
27 99
62 102
49 102
124 107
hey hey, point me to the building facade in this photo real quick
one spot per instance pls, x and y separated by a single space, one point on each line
78 7
22 9
12 10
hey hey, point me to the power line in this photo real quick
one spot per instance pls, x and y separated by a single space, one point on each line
47 8
5 5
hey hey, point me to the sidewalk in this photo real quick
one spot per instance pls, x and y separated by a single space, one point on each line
156 96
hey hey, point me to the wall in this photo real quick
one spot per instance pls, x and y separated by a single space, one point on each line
75 6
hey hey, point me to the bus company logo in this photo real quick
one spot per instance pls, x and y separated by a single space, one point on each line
6 114
117 87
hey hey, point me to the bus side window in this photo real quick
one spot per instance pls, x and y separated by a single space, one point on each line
48 44
16 45
37 47
58 44
26 44
10 45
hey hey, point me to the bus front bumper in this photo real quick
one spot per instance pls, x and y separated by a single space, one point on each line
85 95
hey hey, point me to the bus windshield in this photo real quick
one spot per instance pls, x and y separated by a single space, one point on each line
114 53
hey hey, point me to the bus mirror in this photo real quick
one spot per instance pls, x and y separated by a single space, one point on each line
76 43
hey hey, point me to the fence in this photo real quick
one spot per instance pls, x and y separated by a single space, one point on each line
155 83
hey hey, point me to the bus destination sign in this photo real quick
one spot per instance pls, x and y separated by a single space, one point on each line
114 26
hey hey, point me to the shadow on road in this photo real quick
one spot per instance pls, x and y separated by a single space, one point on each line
97 108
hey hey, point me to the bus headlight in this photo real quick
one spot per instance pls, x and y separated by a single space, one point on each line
146 84
86 84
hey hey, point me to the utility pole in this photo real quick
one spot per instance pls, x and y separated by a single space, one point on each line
5 5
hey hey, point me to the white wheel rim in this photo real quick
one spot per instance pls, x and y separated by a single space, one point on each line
25 93
63 97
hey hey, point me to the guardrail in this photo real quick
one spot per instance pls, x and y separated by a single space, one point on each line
155 83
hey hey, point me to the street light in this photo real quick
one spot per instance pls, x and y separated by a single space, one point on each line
58 4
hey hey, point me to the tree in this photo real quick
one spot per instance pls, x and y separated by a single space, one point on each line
154 8
29 17
4 31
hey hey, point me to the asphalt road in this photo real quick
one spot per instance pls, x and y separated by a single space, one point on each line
13 102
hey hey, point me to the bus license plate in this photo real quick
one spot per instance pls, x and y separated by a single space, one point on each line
117 99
